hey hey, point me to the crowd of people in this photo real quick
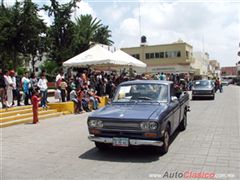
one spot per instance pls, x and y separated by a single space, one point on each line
84 88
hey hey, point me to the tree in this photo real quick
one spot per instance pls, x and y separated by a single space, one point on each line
88 30
32 28
103 35
10 36
61 32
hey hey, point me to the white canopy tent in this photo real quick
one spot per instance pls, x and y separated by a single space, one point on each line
98 55
129 60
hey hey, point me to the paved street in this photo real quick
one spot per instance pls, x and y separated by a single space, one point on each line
59 148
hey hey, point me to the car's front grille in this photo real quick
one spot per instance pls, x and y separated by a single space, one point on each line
121 125
203 92
122 134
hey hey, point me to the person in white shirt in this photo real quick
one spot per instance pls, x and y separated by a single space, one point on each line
42 84
9 88
16 93
25 87
59 78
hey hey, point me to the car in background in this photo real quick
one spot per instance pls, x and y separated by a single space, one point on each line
203 88
224 82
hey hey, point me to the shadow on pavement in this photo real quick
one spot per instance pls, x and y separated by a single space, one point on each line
133 154
202 99
130 154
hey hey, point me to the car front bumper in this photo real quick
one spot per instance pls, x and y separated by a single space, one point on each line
133 142
202 95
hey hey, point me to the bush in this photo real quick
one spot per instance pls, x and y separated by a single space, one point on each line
51 68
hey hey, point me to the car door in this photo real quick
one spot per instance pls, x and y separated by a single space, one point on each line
175 105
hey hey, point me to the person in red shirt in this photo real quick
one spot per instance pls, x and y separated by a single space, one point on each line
35 102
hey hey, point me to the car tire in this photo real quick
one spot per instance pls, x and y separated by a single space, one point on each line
213 97
166 140
183 123
101 146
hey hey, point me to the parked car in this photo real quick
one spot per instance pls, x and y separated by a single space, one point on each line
225 82
142 112
203 88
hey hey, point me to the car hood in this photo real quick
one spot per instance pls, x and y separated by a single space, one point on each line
130 111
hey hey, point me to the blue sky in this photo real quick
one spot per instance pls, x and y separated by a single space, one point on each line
212 26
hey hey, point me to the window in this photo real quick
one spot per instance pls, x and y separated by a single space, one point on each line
168 54
157 55
187 54
136 56
172 54
178 53
147 56
161 54
151 55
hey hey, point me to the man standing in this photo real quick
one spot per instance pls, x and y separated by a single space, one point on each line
9 88
16 93
42 84
2 89
59 78
162 77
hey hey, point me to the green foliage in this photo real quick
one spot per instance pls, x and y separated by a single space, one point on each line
10 36
88 30
61 32
21 70
103 35
51 68
21 31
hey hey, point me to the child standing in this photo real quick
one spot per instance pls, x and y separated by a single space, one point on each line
35 101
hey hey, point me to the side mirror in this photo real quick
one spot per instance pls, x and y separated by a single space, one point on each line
174 99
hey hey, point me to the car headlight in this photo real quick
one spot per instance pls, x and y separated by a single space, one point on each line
92 123
99 123
95 123
153 125
144 125
149 125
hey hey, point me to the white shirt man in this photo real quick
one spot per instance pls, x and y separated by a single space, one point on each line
9 88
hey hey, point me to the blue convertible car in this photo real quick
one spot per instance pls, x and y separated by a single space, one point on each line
142 112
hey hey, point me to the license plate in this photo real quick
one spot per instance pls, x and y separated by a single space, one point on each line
120 142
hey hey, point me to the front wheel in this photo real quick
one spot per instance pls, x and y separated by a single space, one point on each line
213 97
183 124
166 139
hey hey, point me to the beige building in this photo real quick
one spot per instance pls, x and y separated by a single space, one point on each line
200 63
168 58
214 71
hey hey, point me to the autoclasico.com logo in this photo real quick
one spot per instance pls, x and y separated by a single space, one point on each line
190 175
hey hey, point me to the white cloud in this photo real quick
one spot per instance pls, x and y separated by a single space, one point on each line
46 19
114 12
130 27
83 8
217 23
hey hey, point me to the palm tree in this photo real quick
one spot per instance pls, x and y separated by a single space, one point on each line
88 30
102 36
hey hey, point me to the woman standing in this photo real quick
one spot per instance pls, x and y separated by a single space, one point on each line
42 84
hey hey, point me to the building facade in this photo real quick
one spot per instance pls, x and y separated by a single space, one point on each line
200 64
168 58
215 72
229 72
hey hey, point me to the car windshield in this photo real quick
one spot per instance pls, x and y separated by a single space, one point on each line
141 92
201 83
